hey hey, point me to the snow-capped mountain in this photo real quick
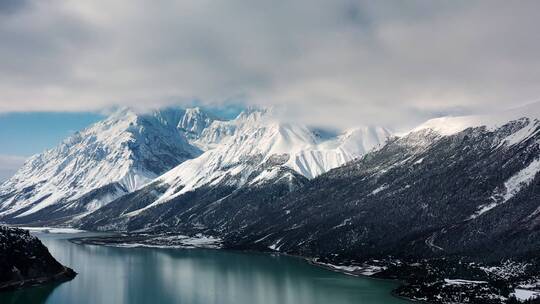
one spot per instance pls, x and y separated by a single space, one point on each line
194 122
94 166
480 180
449 125
466 186
128 150
252 150
255 137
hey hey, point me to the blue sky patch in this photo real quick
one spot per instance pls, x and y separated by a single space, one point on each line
31 133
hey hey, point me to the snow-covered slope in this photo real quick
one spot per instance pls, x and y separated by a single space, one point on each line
327 154
128 150
521 125
449 125
117 155
255 138
194 122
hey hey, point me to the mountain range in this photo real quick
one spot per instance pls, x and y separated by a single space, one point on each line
452 186
172 148
461 190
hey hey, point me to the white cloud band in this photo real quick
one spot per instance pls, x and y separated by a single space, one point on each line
331 62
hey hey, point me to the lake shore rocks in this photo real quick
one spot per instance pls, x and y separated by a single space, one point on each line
25 261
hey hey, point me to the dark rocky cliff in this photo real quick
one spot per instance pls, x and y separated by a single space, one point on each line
25 261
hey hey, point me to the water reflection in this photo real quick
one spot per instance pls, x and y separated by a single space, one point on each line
141 275
37 295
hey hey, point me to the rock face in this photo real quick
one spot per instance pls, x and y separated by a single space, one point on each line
194 122
25 261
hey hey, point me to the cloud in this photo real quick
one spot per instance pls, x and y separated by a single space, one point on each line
9 164
11 6
340 62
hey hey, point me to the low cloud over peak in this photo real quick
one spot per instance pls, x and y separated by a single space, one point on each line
328 62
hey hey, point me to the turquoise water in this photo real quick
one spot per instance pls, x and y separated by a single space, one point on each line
194 276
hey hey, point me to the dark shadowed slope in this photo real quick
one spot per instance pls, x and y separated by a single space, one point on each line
25 261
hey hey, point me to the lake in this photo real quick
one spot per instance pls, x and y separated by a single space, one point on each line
194 276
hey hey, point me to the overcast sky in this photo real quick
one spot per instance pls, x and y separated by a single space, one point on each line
339 62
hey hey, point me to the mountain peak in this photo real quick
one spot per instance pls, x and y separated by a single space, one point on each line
169 116
449 125
119 154
255 113
194 121
194 110
128 150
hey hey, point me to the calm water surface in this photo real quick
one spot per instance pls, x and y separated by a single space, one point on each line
194 276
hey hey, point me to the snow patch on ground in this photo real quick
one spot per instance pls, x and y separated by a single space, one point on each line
52 230
530 285
462 282
520 180
345 222
530 130
365 269
176 241
507 270
268 174
512 187
275 246
524 294
379 189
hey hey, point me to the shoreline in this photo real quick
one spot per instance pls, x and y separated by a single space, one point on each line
309 260
27 262
67 274
409 287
